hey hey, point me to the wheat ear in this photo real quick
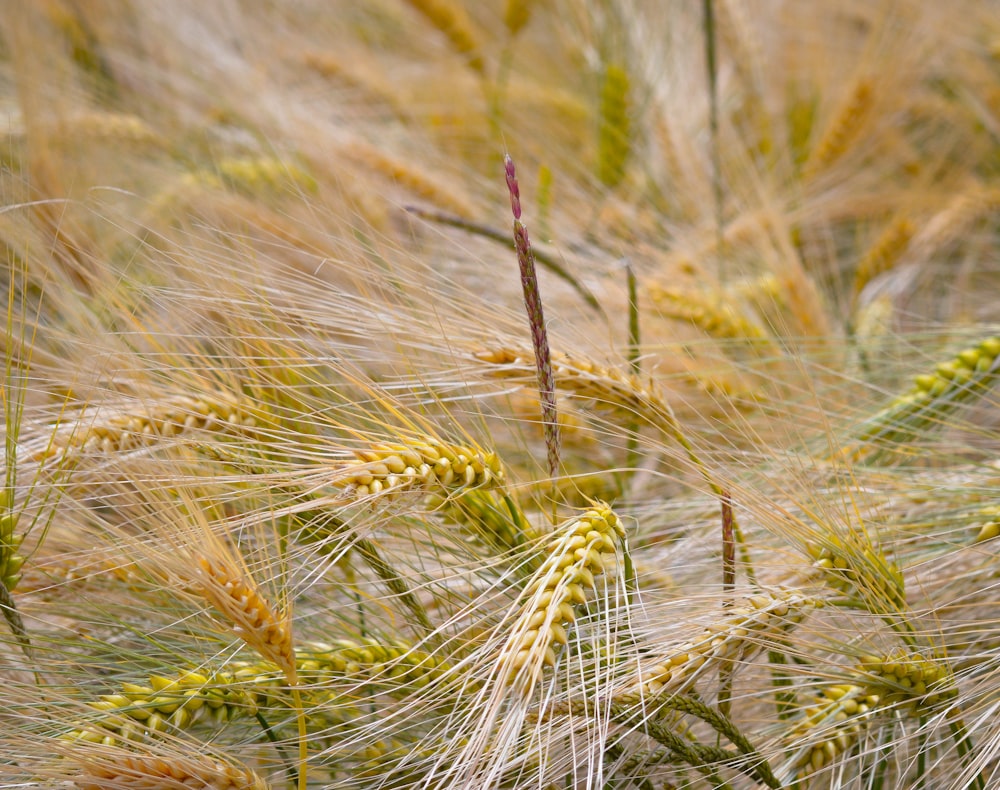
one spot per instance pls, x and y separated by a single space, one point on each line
844 128
884 253
582 548
839 715
710 313
231 590
10 541
614 131
453 22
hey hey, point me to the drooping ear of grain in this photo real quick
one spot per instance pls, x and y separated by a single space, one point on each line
580 550
233 594
126 771
844 128
452 21
890 433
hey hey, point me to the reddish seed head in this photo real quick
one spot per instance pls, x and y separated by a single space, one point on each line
512 187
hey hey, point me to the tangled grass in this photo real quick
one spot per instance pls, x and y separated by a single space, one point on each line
294 493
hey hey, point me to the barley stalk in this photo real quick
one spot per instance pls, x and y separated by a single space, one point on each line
536 321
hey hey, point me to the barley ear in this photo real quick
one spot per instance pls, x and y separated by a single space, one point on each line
580 549
614 133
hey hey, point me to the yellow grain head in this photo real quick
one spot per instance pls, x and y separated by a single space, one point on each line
614 139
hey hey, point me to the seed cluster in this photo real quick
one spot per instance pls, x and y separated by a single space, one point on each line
902 677
248 611
841 712
131 429
427 464
733 638
932 396
861 571
180 702
583 549
10 542
146 772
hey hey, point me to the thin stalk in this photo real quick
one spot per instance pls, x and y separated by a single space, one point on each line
634 342
708 8
543 258
536 320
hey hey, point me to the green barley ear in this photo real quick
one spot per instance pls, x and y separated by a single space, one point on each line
857 567
10 542
830 726
614 129
890 434
909 679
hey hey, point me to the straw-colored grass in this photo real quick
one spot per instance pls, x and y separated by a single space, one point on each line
281 502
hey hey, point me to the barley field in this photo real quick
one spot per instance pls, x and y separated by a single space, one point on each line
521 395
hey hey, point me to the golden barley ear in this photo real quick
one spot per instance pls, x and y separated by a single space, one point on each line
451 19
87 766
581 549
232 592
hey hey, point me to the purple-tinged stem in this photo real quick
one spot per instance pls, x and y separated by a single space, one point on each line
536 320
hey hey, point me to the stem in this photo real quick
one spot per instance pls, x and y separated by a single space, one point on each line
708 7
536 320
544 259
300 717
